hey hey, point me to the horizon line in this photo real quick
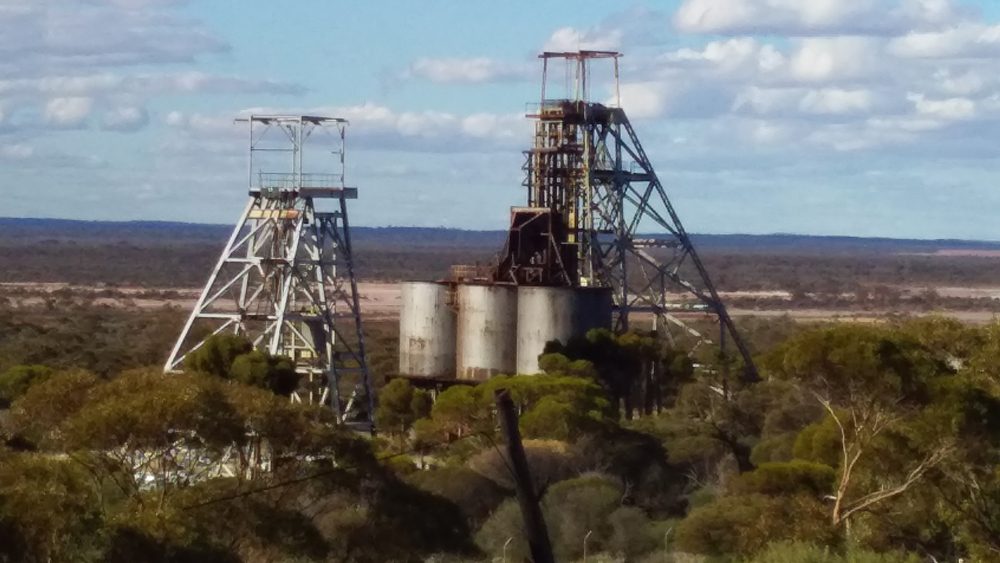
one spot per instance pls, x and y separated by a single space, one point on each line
443 228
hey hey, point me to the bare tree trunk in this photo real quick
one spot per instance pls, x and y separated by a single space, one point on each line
527 497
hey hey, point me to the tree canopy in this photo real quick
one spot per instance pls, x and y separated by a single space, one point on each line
862 443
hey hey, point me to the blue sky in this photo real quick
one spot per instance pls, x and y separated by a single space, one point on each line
836 117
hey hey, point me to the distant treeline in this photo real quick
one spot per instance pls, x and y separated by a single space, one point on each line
138 232
182 255
189 264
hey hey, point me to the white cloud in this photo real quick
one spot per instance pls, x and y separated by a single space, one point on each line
968 39
834 101
841 138
755 100
819 89
775 88
732 54
952 109
741 16
373 123
648 99
175 119
762 133
964 84
68 112
732 61
65 101
125 119
828 59
571 39
704 16
472 71
68 35
378 127
61 59
802 103
837 76
811 17
200 82
108 83
205 124
932 12
636 27
17 151
500 128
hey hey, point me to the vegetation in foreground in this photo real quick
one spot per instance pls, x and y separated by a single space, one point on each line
861 444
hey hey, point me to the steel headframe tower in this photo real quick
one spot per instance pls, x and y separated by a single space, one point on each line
588 168
286 277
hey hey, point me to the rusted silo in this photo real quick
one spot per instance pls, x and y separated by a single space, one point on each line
427 324
555 313
487 331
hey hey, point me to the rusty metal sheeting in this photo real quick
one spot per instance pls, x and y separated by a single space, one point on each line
471 273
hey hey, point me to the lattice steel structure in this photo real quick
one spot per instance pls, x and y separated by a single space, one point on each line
285 279
588 166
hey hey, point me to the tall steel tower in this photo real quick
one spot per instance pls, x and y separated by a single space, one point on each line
286 277
591 192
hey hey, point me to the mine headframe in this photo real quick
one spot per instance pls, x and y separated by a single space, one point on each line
592 191
285 280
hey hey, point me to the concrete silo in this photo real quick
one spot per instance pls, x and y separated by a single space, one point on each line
556 313
427 338
487 331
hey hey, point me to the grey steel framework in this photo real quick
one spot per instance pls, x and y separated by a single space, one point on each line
588 166
286 277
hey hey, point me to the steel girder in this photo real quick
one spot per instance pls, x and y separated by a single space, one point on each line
285 279
616 196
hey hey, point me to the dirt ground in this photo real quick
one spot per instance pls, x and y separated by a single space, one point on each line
381 300
377 299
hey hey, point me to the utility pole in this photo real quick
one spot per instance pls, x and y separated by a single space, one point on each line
534 522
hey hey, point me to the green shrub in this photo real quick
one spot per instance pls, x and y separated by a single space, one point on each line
703 496
743 525
804 552
820 443
475 495
795 477
578 506
17 380
504 524
774 449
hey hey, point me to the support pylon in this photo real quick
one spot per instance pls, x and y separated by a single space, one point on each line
285 279
588 170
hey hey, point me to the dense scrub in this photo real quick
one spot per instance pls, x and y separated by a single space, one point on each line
863 443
